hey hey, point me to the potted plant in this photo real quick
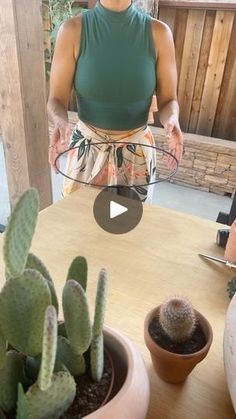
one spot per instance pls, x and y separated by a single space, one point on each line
178 337
51 368
229 343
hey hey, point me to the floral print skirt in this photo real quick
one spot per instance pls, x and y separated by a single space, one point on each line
98 159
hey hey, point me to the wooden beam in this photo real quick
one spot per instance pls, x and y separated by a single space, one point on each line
198 4
22 99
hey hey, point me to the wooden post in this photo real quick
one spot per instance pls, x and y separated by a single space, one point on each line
24 124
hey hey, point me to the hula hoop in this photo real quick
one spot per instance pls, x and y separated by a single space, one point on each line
118 142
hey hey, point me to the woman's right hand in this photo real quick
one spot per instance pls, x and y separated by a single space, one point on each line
59 142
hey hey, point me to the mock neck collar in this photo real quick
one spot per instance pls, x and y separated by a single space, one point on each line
113 15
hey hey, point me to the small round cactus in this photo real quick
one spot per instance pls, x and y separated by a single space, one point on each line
177 319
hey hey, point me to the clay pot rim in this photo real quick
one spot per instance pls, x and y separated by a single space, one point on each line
150 342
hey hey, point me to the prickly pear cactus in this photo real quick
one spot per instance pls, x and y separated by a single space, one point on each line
49 348
73 362
21 300
76 315
10 375
177 318
33 262
97 350
78 271
2 350
19 232
21 404
51 404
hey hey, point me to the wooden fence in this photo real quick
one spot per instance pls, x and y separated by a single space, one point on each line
205 41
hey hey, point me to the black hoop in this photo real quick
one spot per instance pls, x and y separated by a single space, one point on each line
119 142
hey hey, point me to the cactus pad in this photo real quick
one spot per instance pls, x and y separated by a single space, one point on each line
21 404
100 303
51 404
49 348
33 262
10 375
78 271
76 315
73 362
2 350
97 358
23 302
19 232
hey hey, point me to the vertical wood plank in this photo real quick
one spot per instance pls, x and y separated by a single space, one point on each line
179 36
214 75
167 15
189 64
225 121
22 95
202 68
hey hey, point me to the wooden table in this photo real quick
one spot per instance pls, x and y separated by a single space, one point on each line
155 260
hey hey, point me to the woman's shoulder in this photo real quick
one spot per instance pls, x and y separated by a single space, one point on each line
72 26
161 32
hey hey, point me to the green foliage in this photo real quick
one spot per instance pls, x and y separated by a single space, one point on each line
59 11
177 319
49 349
231 287
79 271
76 315
21 404
19 232
36 378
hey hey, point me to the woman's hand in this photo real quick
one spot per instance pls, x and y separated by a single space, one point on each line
174 138
59 142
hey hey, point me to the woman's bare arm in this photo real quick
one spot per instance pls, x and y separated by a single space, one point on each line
166 82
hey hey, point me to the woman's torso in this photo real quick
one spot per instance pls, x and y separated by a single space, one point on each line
79 46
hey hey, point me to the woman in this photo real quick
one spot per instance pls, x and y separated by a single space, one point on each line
116 57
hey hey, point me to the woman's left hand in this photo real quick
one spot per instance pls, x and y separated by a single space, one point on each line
174 138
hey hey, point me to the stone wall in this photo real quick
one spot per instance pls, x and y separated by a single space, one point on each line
208 164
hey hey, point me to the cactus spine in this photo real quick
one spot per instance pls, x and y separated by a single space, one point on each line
177 319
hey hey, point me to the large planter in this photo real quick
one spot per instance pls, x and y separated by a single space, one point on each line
229 349
130 394
172 367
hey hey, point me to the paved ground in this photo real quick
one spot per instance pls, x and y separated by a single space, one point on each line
168 195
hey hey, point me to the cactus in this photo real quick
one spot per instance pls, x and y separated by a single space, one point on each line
51 404
19 232
10 375
177 319
21 300
36 378
96 352
76 315
231 287
21 404
2 350
73 362
33 262
49 349
78 271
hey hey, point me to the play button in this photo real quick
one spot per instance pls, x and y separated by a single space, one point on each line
118 210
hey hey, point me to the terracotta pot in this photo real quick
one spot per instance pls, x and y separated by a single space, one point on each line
130 394
229 349
172 367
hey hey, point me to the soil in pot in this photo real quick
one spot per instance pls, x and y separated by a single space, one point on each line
90 395
196 343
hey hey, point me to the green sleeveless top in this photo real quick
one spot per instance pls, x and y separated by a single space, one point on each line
115 72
